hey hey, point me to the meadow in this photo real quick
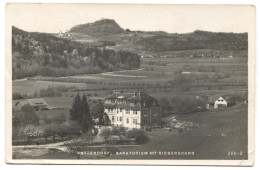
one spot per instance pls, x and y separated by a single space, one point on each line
179 76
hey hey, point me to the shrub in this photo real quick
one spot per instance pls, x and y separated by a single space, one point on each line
139 136
119 131
106 133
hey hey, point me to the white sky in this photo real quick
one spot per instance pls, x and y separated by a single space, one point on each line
52 18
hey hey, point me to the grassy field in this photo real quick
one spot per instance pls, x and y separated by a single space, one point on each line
218 134
203 76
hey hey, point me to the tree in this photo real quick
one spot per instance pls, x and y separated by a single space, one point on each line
26 116
165 104
97 111
62 130
106 133
73 128
50 130
80 112
30 132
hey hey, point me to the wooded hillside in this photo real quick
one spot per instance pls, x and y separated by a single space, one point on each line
196 40
43 54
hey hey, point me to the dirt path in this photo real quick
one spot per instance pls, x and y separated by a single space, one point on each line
58 145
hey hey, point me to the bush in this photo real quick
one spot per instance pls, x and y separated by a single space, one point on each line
119 131
106 133
139 136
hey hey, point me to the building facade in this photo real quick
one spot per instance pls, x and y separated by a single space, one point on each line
136 110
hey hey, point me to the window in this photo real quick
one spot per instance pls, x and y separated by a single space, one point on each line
116 118
127 120
120 119
135 112
145 121
134 121
113 118
120 109
145 112
127 111
132 104
144 104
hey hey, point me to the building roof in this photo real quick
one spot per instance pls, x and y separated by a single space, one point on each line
20 102
118 95
142 97
37 102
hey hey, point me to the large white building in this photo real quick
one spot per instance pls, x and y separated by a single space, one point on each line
133 110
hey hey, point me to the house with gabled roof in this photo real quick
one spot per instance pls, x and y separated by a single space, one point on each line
38 104
17 105
220 101
133 110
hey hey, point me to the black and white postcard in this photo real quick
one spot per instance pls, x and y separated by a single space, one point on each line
130 84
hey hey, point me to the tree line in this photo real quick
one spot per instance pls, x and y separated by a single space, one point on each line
196 40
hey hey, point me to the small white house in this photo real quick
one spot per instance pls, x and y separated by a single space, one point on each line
220 103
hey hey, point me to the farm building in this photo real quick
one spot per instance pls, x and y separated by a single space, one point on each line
38 104
17 105
133 110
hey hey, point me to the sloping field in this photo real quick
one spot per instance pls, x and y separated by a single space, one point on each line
220 132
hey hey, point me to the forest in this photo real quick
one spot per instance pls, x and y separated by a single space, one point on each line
195 40
42 54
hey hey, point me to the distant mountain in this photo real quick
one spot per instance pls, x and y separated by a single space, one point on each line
101 27
157 41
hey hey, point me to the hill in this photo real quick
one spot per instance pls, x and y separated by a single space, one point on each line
42 54
101 27
157 41
195 40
